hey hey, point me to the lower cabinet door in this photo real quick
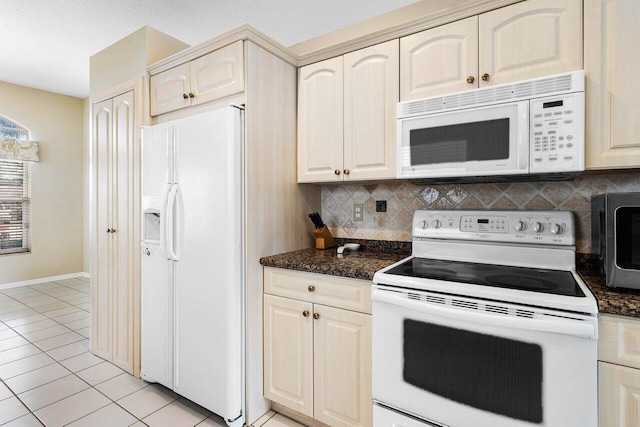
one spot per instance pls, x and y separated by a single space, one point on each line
342 370
619 395
288 353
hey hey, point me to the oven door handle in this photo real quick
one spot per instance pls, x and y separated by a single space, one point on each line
558 326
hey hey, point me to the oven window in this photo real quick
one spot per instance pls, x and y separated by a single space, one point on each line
486 372
464 142
628 237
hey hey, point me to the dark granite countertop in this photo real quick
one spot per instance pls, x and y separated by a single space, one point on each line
372 256
623 302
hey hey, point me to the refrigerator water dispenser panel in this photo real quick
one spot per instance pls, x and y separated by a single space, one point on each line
151 226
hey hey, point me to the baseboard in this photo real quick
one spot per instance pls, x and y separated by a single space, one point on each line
44 280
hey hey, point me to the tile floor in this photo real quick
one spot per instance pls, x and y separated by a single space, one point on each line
48 377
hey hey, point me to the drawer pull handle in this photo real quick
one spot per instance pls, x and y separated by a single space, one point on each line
316 316
305 313
311 288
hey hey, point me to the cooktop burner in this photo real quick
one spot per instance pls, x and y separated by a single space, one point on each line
556 282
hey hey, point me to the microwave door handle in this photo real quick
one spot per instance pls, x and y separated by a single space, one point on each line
559 326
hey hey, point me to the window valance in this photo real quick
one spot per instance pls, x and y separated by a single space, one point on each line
15 149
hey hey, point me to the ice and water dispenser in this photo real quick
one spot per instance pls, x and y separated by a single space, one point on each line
151 225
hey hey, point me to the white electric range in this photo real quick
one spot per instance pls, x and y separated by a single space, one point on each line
486 324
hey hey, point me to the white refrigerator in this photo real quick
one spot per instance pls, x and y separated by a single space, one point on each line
192 271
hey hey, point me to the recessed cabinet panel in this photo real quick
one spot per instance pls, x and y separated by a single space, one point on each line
123 287
619 340
530 39
342 367
101 328
440 60
168 90
370 96
320 121
612 60
218 74
288 353
619 395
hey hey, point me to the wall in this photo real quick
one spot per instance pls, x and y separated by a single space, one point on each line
57 183
404 198
127 58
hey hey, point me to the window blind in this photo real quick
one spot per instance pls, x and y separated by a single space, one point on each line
15 201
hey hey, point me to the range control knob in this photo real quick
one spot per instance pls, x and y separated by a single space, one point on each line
539 227
557 229
425 224
436 223
520 226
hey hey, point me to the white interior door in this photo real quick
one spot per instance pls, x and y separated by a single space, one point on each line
208 235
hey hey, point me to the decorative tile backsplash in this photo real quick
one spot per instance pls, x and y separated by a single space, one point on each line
404 198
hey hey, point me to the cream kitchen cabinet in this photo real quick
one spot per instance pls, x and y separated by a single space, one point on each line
317 347
440 60
619 371
346 116
523 41
115 232
612 59
212 76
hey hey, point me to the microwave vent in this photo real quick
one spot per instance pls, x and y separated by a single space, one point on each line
561 83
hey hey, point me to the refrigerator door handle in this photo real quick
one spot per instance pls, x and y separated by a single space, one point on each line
163 220
171 231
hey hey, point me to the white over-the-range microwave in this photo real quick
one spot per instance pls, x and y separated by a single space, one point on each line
532 129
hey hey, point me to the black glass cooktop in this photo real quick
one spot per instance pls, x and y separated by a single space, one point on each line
557 282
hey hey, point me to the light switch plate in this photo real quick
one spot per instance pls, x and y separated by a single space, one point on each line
358 211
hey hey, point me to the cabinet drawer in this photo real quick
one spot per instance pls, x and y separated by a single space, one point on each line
340 292
619 340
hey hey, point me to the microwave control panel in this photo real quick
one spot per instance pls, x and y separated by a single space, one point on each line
533 227
557 133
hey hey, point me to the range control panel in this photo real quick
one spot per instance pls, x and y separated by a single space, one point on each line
557 133
532 227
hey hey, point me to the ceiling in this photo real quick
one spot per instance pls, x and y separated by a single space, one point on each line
47 44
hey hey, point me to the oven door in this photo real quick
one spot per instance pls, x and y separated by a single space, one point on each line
491 140
461 362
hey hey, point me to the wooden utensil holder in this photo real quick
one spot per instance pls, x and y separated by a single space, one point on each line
324 239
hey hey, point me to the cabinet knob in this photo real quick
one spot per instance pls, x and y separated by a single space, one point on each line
305 313
113 230
346 171
191 95
337 171
311 288
486 77
471 79
185 96
316 316
108 230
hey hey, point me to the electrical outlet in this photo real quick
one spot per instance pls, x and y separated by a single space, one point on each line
358 212
381 205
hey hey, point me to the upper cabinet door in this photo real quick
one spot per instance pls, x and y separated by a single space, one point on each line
371 82
440 60
320 125
169 90
612 60
218 74
530 39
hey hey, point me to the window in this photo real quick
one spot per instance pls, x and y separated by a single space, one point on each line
15 195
